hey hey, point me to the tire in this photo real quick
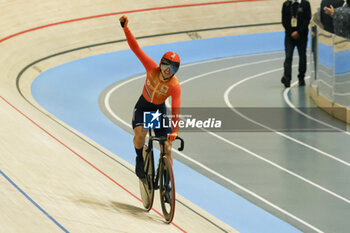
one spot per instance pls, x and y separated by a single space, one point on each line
167 189
146 185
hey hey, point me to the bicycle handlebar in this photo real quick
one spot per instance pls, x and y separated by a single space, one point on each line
163 139
181 148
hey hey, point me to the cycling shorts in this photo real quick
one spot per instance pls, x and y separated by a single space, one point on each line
142 106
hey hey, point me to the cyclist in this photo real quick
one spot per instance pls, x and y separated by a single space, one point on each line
160 83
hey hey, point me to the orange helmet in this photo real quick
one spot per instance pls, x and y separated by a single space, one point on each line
172 60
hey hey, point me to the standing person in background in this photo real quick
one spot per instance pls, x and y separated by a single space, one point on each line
296 15
326 19
341 19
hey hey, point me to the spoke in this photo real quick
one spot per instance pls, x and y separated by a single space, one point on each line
168 198
163 193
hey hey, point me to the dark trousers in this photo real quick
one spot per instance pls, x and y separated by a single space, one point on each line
289 45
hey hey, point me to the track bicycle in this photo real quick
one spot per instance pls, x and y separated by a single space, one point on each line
162 179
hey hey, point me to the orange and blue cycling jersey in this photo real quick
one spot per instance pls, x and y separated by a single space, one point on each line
155 90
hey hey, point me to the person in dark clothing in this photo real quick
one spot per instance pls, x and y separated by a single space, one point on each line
341 19
326 19
296 15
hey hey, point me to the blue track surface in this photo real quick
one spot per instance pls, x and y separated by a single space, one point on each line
71 91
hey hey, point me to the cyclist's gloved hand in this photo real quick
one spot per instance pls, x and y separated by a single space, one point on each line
123 21
172 136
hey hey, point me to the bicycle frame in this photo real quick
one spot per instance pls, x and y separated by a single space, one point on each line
162 179
161 141
155 175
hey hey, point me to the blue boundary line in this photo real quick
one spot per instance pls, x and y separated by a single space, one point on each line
33 202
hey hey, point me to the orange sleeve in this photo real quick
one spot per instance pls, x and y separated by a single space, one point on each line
175 106
147 62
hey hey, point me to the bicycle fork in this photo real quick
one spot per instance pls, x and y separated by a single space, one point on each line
156 179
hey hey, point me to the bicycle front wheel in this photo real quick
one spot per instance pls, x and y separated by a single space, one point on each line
167 189
146 185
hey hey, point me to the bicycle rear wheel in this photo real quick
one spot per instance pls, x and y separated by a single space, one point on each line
167 189
146 185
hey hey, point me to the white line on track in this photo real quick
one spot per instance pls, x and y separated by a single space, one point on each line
325 83
243 188
107 100
226 98
109 93
268 128
325 74
341 94
278 133
280 167
342 83
331 87
331 78
108 96
290 104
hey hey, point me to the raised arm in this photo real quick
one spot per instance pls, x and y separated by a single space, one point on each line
147 62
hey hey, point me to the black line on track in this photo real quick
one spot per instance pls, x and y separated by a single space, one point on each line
115 42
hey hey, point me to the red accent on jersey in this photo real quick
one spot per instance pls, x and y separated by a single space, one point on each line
155 90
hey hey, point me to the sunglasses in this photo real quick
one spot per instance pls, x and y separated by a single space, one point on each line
173 66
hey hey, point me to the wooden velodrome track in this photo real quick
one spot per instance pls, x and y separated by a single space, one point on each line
53 180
